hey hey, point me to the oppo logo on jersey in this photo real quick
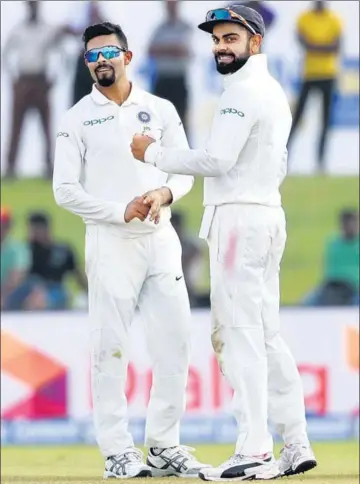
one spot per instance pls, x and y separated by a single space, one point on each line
232 111
93 122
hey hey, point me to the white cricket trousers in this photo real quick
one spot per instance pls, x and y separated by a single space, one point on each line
124 273
246 245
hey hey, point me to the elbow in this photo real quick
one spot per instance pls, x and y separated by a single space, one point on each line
62 194
221 168
59 196
218 166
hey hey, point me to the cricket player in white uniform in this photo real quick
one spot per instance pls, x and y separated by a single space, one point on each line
132 259
244 164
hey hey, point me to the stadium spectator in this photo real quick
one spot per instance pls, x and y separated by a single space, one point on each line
52 261
191 261
15 259
88 13
170 49
26 57
319 33
341 266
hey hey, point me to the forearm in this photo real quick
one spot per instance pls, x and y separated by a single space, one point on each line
185 161
180 185
73 198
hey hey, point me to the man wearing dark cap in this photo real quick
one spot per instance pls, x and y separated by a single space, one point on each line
244 164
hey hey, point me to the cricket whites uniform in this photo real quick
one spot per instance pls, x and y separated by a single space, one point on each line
127 264
244 165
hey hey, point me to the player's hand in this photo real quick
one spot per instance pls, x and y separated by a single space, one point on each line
139 145
155 199
136 209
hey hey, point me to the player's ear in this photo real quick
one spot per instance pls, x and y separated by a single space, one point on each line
128 57
255 44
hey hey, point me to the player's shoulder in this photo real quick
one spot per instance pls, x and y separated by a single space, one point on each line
76 113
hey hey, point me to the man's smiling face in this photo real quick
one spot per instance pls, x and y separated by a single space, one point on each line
232 46
107 71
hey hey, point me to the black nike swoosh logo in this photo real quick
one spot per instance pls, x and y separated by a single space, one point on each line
178 278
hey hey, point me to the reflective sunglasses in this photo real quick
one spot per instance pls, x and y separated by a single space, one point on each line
108 52
228 14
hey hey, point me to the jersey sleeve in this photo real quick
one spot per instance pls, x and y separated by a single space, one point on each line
67 188
174 137
235 116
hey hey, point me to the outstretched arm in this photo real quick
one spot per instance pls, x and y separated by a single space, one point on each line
232 125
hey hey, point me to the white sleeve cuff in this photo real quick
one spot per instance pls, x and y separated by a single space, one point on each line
151 153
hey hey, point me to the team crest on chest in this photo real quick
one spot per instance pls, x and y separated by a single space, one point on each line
144 117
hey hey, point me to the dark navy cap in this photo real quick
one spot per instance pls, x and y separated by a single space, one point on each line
253 21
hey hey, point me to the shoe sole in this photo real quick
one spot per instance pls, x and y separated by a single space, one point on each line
168 473
243 478
143 473
301 468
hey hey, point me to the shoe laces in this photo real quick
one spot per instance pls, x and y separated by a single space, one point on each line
295 447
239 458
185 450
131 452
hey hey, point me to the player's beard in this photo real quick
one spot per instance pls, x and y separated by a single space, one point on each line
105 79
235 65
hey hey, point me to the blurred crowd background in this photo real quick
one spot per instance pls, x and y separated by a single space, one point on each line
313 50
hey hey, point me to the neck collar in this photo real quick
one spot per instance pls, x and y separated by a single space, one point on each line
135 96
255 65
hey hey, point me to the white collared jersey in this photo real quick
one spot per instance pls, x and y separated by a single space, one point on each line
245 160
95 174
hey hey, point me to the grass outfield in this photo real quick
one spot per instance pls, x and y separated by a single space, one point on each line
311 204
338 463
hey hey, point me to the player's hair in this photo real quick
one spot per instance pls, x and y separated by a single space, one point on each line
104 28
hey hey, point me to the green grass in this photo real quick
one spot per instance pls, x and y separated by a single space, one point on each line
337 463
312 205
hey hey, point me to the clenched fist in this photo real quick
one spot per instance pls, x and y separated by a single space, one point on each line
136 209
139 145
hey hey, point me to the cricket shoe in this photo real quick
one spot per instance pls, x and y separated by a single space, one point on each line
127 464
296 459
174 461
243 468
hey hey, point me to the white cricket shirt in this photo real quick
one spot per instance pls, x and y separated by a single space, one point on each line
245 160
95 174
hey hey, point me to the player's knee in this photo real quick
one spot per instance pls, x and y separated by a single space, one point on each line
108 354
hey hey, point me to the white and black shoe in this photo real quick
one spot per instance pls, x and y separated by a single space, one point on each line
127 464
243 468
174 461
296 459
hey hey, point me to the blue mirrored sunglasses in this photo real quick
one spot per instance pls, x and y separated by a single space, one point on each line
108 52
228 14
